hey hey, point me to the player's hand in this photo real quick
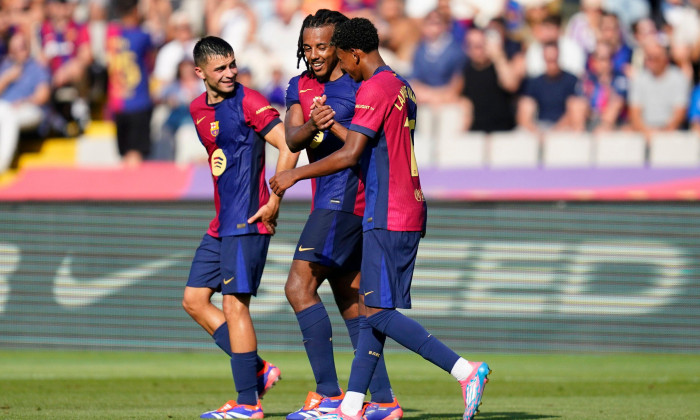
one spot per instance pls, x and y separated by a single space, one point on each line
266 214
319 101
282 181
322 117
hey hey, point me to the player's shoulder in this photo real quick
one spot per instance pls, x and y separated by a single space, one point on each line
199 103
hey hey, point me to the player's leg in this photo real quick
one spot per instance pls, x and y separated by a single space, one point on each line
301 290
345 287
346 254
312 264
394 255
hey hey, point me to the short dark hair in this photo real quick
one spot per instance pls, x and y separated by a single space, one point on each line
358 33
124 7
210 46
323 17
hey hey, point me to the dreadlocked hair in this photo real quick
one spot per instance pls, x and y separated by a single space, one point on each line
323 17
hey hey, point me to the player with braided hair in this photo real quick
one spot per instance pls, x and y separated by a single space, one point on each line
320 104
380 138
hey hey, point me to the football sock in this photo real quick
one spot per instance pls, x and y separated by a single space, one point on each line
461 370
245 377
413 336
222 339
317 333
352 403
369 348
379 386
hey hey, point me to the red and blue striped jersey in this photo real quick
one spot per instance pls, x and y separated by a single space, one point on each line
342 190
386 112
233 133
129 52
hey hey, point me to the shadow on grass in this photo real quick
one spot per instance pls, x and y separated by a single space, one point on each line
511 415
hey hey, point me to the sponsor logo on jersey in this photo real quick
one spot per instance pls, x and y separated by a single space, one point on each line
317 140
364 107
199 120
218 162
263 109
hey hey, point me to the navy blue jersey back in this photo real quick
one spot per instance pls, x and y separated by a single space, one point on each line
343 190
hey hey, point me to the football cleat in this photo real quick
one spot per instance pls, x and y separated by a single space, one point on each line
231 410
382 411
337 414
473 388
268 376
316 405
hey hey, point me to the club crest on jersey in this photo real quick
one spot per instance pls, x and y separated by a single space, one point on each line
218 162
214 128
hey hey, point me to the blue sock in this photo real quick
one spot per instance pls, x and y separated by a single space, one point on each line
222 339
379 386
413 336
245 377
317 334
370 345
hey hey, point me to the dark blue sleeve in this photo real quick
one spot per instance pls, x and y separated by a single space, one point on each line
292 96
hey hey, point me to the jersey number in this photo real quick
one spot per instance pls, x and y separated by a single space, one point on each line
411 124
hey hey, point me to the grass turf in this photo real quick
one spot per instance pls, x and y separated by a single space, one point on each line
122 385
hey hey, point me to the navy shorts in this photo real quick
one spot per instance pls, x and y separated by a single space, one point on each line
387 267
232 264
331 238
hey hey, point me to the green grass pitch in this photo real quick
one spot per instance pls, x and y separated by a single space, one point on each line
122 385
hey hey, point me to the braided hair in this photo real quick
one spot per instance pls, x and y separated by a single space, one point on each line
323 17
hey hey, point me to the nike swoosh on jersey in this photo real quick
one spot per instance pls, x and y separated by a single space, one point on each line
369 293
305 90
200 120
304 249
73 293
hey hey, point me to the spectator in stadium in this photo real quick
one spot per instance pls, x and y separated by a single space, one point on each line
611 34
232 20
605 88
176 98
552 100
24 94
572 57
278 35
684 26
644 31
658 96
178 49
65 47
397 33
437 63
380 139
320 126
130 54
233 124
584 26
490 83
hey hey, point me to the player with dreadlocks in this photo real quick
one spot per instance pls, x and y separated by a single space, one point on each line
320 104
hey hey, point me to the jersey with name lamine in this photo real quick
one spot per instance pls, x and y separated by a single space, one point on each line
386 112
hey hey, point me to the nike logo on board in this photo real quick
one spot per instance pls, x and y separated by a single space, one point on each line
70 292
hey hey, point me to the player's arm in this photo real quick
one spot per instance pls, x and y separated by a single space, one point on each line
285 161
299 133
346 157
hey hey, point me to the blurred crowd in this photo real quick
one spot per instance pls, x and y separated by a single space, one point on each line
531 65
